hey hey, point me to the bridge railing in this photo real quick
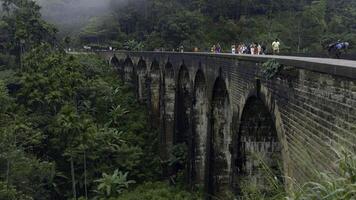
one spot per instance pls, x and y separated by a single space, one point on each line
339 67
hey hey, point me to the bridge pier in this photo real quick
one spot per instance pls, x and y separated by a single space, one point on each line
142 85
183 124
168 98
154 94
220 141
200 128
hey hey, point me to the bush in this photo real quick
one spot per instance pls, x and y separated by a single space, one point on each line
271 68
10 193
333 186
158 191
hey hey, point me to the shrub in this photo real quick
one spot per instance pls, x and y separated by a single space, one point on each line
333 186
271 68
158 191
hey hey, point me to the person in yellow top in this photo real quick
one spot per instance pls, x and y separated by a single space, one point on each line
275 46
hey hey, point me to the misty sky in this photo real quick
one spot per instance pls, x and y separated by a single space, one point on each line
72 15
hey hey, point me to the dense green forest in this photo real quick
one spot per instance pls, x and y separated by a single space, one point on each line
302 26
70 129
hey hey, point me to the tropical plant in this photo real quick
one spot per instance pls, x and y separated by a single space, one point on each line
9 193
271 68
178 155
111 185
133 45
331 185
158 191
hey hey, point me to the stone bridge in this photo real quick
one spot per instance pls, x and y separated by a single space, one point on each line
240 127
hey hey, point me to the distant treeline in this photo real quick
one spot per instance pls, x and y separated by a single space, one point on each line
302 26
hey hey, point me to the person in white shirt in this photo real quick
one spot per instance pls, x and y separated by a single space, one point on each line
233 49
259 49
275 46
252 49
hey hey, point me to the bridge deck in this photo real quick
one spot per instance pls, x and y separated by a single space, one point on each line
340 67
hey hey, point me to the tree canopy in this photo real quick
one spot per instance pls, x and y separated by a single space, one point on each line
302 26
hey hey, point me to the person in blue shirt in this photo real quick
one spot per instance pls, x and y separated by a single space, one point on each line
335 49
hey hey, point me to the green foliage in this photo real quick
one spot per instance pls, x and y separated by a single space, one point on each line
133 45
272 187
158 191
302 26
4 97
19 169
75 115
178 155
331 185
338 185
10 193
113 185
22 27
271 68
69 118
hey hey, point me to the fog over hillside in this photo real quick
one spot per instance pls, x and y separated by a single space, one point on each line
71 15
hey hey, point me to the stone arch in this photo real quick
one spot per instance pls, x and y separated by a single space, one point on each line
114 61
154 93
220 138
142 81
128 70
168 103
183 103
199 128
257 145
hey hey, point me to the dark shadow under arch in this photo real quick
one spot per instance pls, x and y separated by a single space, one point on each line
142 66
128 71
182 129
169 71
115 61
183 107
257 149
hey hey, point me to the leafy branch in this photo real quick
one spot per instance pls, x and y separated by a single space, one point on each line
271 68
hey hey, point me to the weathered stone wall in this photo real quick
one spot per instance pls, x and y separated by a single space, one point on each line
200 127
295 119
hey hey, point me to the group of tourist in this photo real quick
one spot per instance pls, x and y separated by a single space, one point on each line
242 48
253 48
216 48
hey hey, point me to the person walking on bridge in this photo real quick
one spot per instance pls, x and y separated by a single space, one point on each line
213 49
233 49
337 48
275 47
218 48
181 48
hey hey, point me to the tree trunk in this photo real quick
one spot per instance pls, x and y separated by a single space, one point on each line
8 173
238 10
299 37
85 175
73 177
